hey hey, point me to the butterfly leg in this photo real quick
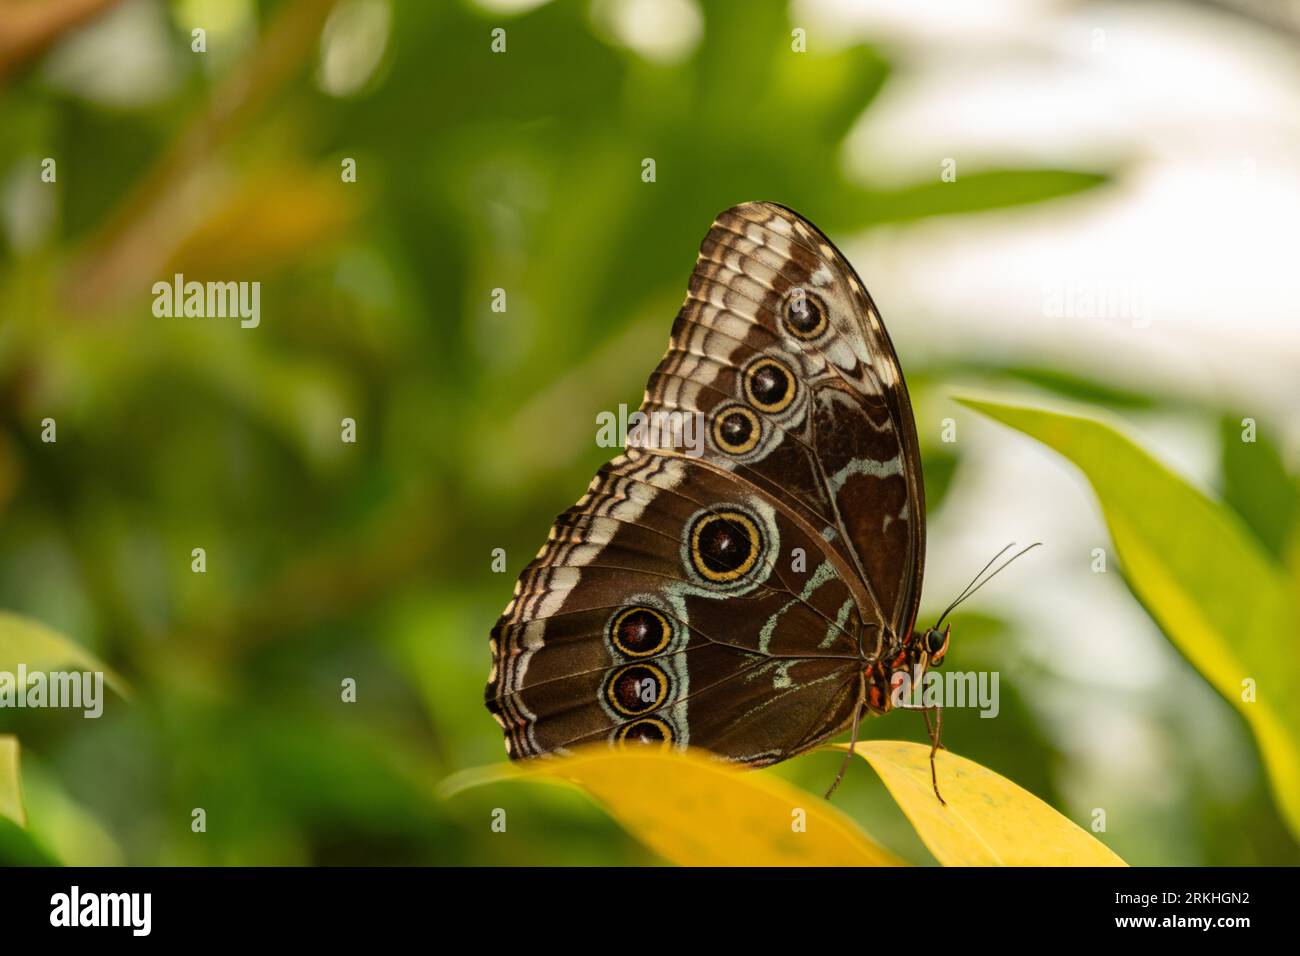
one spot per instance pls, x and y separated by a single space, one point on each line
935 746
853 737
933 734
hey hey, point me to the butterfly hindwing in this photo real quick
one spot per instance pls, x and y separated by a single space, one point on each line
667 592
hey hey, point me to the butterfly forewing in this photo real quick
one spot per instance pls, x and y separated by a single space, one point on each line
729 595
780 347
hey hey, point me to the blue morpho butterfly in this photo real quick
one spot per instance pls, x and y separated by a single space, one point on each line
756 595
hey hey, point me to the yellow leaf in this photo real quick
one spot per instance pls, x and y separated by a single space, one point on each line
695 810
11 796
988 820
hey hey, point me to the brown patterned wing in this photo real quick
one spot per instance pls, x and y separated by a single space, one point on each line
781 350
662 609
728 594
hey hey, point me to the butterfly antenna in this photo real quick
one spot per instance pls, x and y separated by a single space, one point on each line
966 590
976 583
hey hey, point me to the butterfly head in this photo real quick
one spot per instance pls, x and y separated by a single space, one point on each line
934 644
889 680
924 649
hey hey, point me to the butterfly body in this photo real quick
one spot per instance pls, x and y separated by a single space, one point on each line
752 595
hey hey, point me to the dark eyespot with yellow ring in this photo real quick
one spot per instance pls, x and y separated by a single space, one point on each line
769 385
637 689
647 730
725 545
805 314
640 631
736 430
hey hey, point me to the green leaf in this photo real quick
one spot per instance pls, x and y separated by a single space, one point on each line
971 192
1257 486
30 643
18 845
940 467
18 848
986 820
1077 388
1199 571
695 810
11 794
64 832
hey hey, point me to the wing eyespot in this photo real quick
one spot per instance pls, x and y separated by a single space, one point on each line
804 314
725 545
637 689
736 430
770 385
640 631
647 730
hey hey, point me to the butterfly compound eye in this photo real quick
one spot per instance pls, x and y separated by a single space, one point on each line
936 642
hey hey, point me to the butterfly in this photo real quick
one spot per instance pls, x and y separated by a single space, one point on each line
753 593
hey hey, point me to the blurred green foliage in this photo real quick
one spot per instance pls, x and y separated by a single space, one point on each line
371 561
